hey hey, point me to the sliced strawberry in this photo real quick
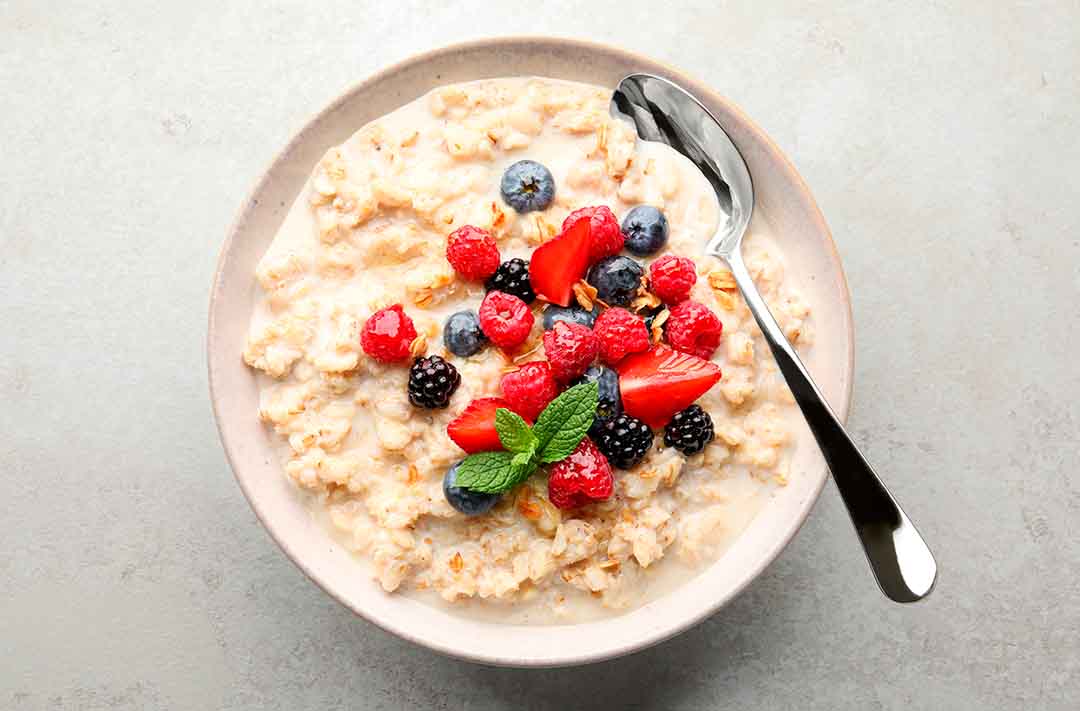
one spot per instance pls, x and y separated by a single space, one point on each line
660 382
559 264
474 429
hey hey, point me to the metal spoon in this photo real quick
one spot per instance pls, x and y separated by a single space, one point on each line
661 111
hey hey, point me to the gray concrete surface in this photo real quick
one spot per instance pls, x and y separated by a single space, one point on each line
941 141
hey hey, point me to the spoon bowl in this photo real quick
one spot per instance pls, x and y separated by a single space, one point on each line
662 111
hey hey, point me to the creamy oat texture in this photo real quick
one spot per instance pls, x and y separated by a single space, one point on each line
369 230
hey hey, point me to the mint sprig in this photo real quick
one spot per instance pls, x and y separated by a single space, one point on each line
563 424
488 471
558 431
514 433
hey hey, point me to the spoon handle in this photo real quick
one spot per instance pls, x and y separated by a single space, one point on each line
900 559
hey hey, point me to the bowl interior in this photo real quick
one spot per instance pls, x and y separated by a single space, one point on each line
796 225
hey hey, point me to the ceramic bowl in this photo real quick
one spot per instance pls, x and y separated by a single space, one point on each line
796 223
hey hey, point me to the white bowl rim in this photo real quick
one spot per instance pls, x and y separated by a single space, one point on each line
842 405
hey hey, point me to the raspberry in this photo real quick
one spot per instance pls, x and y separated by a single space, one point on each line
387 334
693 328
529 389
570 348
605 236
472 253
583 477
672 278
505 319
620 332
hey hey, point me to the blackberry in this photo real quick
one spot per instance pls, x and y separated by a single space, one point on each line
512 277
689 431
624 440
432 381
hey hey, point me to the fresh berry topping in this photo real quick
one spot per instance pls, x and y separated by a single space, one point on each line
474 429
583 477
689 431
472 253
505 319
693 328
554 313
529 389
527 186
610 402
388 334
560 263
657 384
605 237
620 332
671 278
470 503
624 440
570 348
645 229
616 280
431 382
512 277
462 334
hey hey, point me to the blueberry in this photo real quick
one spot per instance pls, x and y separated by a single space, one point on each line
645 229
462 334
467 502
527 186
610 405
616 279
570 314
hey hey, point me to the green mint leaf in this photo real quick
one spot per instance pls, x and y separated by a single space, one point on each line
485 472
522 460
523 465
565 421
514 433
496 472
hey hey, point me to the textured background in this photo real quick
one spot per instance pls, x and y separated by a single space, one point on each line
940 141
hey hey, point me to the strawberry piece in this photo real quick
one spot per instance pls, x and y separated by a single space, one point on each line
559 264
474 429
657 384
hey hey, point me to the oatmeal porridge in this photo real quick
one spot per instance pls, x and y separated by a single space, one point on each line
499 368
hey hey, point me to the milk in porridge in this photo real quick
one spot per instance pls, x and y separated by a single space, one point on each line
370 230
